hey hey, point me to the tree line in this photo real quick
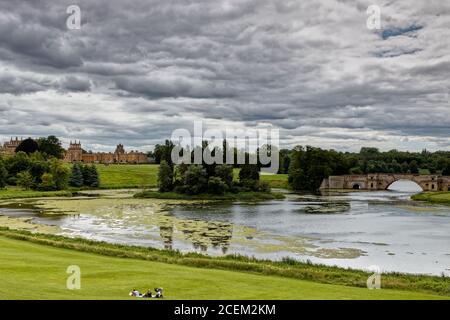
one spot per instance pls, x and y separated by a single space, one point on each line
37 165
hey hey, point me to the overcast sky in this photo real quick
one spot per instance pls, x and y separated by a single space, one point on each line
138 69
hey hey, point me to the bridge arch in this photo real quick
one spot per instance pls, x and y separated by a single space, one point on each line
408 185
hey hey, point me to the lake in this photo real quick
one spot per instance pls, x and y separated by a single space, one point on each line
348 229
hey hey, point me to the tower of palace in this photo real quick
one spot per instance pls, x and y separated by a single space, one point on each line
9 147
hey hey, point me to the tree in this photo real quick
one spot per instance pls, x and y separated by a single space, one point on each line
164 152
18 163
76 177
225 173
446 170
165 177
195 179
90 176
309 166
3 175
94 178
47 182
51 147
60 174
413 167
28 146
25 180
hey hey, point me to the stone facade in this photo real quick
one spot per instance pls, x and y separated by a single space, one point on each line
75 154
382 181
9 147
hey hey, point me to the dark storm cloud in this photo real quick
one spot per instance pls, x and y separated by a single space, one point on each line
138 69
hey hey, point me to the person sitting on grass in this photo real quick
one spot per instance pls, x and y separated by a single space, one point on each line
159 292
148 294
135 293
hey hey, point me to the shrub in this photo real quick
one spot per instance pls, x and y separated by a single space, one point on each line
216 186
249 172
225 173
195 179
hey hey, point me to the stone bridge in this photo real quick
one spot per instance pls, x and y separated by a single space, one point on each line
382 181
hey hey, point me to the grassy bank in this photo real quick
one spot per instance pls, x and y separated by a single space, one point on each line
185 276
17 193
241 196
433 197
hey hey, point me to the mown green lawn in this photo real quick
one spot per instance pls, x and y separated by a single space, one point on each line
34 271
128 176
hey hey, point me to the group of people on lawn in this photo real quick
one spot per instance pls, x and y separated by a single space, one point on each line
148 294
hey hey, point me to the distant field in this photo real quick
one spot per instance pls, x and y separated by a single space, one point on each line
136 176
128 176
26 265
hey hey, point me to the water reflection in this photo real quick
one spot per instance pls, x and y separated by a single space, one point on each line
350 229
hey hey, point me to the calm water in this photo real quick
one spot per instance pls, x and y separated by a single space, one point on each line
356 229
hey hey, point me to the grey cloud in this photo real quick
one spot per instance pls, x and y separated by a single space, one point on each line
139 69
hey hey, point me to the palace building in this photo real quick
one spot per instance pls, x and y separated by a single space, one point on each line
75 153
9 147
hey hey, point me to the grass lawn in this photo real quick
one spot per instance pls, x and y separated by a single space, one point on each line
14 192
35 271
136 176
433 197
127 176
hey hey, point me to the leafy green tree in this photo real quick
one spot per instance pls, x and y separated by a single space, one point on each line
25 180
51 147
76 177
47 182
28 146
165 177
225 173
163 152
309 166
196 179
3 175
61 174
17 163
